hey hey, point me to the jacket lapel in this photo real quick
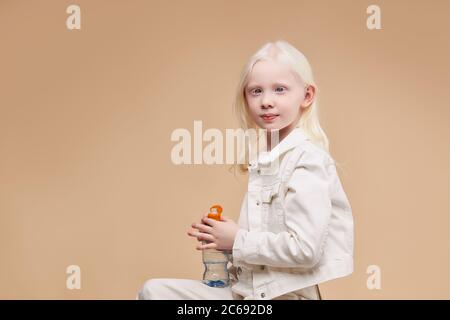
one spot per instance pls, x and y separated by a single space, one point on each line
293 139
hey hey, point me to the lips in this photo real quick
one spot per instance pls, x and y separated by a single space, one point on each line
269 116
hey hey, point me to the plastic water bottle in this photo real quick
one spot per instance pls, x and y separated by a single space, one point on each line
215 261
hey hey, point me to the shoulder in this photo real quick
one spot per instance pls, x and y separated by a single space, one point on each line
310 154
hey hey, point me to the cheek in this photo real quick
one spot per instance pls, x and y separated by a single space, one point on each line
252 107
289 111
288 115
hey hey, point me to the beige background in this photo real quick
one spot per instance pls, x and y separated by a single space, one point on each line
86 118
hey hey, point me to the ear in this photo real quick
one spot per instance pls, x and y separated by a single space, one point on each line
309 96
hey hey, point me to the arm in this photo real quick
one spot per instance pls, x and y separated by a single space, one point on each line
308 212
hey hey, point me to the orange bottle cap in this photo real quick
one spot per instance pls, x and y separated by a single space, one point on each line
215 212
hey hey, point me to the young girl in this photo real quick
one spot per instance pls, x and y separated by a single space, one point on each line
295 227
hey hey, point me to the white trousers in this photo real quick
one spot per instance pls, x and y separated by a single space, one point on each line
189 289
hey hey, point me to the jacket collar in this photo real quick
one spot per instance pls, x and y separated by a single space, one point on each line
293 139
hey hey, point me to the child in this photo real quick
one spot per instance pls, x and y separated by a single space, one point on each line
295 227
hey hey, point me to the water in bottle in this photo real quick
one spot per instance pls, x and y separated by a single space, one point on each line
215 261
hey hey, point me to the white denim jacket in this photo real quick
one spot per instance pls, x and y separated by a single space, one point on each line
296 225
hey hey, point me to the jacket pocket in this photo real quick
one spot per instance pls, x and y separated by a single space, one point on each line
268 193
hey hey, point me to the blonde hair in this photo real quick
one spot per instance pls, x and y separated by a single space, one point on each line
280 51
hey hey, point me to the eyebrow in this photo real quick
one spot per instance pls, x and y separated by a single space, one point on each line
278 83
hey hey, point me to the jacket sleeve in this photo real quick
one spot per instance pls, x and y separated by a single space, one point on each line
307 215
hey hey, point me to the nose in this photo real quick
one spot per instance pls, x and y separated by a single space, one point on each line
267 101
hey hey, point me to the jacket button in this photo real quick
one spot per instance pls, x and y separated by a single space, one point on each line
262 267
259 171
263 295
257 203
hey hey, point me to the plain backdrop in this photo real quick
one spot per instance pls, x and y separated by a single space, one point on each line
86 176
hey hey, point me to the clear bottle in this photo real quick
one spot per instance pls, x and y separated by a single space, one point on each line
216 261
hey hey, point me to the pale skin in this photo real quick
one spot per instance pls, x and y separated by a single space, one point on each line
263 95
219 234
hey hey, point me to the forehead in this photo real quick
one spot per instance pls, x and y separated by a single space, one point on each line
270 71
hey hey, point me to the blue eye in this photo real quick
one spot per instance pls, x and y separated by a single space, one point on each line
258 90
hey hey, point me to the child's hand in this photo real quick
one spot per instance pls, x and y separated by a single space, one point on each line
219 234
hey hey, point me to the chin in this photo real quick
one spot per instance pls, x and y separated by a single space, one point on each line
270 127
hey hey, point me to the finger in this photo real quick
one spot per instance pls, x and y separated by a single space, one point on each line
192 233
202 227
209 221
206 246
203 236
204 216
